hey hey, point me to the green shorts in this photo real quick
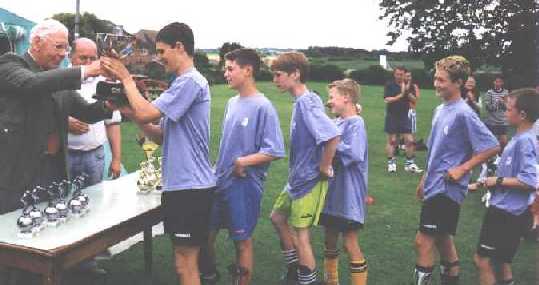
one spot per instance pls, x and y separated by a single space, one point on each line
305 211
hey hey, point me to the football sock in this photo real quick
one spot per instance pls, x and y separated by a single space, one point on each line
358 272
331 263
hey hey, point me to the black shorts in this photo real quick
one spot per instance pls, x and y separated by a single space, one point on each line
339 224
501 233
397 124
439 216
497 130
186 215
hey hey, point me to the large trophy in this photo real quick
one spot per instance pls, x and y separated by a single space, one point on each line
120 46
150 169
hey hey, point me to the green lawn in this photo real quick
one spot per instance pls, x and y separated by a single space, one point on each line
388 238
361 63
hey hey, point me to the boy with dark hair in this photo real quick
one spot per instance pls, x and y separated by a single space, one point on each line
346 202
313 140
512 191
184 131
458 142
251 139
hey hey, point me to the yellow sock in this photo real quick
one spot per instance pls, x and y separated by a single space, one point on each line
331 263
358 272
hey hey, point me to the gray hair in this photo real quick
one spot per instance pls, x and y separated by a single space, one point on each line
45 28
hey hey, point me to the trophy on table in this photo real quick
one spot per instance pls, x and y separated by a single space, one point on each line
60 190
51 213
25 222
150 169
31 222
35 213
78 204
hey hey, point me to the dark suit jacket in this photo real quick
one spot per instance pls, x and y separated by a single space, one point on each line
30 101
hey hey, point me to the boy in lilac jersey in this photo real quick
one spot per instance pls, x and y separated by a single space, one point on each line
458 142
251 139
512 191
313 139
346 202
184 109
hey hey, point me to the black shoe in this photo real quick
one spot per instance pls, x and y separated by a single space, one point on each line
291 276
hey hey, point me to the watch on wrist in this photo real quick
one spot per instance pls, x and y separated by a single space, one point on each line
499 181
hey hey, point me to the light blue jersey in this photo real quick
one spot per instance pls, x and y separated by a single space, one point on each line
347 194
186 132
457 133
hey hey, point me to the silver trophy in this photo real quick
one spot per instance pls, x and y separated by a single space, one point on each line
35 213
60 204
25 222
75 204
51 213
78 194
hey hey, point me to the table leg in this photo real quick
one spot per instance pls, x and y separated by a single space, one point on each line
148 254
53 277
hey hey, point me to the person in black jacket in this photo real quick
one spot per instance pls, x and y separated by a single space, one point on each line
35 100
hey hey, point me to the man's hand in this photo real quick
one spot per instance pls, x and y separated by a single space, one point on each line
93 69
115 68
326 171
490 182
239 168
77 127
115 169
456 173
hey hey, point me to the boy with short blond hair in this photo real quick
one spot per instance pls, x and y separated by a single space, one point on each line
346 202
458 142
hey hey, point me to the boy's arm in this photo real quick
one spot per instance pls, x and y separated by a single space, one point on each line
327 157
456 173
508 182
154 132
483 144
419 191
243 162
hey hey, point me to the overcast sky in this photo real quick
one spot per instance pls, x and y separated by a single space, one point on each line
281 24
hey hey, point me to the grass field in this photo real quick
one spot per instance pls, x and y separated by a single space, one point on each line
387 239
360 63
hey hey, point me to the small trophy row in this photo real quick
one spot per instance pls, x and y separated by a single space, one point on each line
59 209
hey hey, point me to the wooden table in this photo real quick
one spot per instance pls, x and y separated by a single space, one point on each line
117 213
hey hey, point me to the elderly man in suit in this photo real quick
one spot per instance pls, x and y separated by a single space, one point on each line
36 99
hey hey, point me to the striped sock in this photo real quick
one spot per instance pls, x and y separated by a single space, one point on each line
306 276
331 263
358 272
290 256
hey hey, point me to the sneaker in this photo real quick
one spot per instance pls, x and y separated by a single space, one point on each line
413 168
391 167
